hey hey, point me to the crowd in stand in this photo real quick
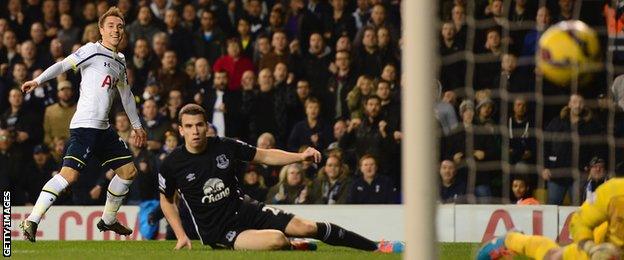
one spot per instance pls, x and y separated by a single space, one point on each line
288 74
504 130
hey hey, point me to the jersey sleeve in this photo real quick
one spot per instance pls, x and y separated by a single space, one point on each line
166 182
81 57
127 98
241 150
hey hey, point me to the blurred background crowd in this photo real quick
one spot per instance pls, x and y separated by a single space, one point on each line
285 74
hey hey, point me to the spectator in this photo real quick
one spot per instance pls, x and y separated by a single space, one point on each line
444 111
262 48
155 125
458 15
339 23
122 126
292 187
512 79
189 18
270 174
89 14
253 184
263 118
343 44
143 26
31 58
521 136
596 176
38 37
332 183
452 73
141 63
542 21
58 149
38 172
160 42
58 116
366 57
368 135
363 89
223 107
312 132
378 18
275 22
340 83
371 187
208 38
159 7
361 13
301 23
279 44
315 65
202 82
296 110
492 60
11 160
485 113
452 187
169 75
245 38
522 192
9 51
17 18
22 122
388 48
171 142
253 13
180 39
565 11
172 108
68 34
339 130
234 64
90 33
559 148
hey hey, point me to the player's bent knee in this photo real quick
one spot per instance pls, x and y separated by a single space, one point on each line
278 241
69 174
127 171
302 227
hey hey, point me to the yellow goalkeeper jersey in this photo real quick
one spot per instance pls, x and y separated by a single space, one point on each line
608 206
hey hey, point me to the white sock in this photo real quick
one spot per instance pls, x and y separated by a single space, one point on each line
48 195
117 190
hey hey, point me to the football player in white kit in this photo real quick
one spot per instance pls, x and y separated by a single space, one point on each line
103 70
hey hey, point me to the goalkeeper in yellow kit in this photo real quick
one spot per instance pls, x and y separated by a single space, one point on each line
597 229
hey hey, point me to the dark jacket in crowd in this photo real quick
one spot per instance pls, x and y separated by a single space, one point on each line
321 191
380 191
301 135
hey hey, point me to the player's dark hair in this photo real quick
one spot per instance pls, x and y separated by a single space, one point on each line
191 109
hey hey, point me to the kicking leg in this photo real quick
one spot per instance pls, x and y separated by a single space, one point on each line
329 233
117 190
266 239
48 195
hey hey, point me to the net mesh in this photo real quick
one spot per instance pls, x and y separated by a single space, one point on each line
548 147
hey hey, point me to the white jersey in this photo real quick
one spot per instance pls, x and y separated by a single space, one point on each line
102 71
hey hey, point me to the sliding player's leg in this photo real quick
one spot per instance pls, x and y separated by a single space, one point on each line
116 156
329 233
266 239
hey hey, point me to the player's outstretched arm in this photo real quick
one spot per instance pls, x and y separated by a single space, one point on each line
48 74
172 215
280 157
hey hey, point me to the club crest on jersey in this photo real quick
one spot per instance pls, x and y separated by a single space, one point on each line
222 162
214 190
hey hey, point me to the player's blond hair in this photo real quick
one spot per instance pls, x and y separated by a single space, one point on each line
113 11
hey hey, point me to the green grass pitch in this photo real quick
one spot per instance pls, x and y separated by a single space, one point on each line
134 250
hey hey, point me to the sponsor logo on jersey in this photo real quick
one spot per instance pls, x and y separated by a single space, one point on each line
222 162
214 190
